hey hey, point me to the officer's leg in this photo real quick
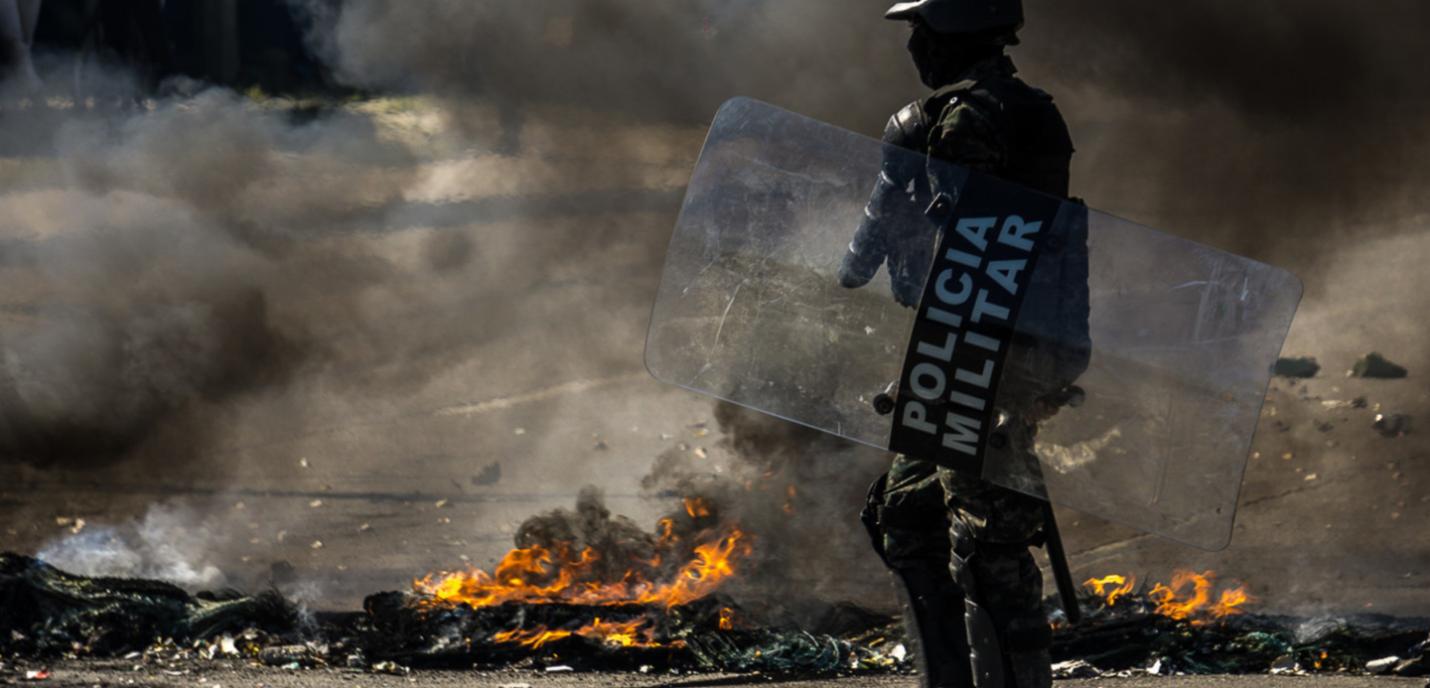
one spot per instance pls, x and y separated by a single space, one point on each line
991 529
909 526
1012 587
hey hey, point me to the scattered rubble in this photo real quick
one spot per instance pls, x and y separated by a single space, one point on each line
1074 668
1130 637
52 614
48 611
290 656
1303 367
1375 366
1392 424
489 475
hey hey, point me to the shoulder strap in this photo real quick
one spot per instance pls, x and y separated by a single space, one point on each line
969 90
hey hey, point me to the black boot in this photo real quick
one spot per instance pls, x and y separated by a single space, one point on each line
934 617
1030 669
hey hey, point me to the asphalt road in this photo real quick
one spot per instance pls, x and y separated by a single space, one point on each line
115 674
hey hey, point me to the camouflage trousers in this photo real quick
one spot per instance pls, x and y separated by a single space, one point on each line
927 513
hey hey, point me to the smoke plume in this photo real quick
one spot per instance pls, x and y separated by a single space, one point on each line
1294 133
1299 124
161 268
1270 128
172 544
797 491
1264 129
164 265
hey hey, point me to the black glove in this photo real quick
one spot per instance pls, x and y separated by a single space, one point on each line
856 270
908 255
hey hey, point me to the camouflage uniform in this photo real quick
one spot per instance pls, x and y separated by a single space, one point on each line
927 512
922 514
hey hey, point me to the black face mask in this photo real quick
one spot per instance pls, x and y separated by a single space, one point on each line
922 53
942 59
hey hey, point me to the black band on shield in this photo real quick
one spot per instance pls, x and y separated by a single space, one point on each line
987 249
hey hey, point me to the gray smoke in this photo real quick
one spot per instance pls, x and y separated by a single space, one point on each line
646 62
169 543
1263 128
1291 132
165 264
797 491
1269 128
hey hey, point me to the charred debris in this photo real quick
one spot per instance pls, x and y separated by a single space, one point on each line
51 614
587 590
1186 627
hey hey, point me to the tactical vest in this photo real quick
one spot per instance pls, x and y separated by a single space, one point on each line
1034 136
1037 152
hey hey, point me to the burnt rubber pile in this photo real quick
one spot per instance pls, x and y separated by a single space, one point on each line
49 614
1190 626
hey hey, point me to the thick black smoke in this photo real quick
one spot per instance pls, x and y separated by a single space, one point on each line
146 291
161 265
1265 127
1290 131
165 261
648 62
1269 129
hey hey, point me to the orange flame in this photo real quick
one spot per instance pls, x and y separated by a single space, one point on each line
696 507
635 633
727 619
1190 597
620 633
1178 602
1231 602
1109 588
537 575
713 563
532 639
667 535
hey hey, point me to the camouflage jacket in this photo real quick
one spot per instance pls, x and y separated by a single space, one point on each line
992 122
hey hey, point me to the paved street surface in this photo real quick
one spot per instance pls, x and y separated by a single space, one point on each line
118 674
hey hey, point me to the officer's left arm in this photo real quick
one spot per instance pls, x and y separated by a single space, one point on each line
890 203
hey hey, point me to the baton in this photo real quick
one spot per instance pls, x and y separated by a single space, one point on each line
1058 559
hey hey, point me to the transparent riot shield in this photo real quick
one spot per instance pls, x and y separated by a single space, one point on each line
960 319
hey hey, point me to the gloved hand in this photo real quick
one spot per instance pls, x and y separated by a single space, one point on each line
857 269
907 257
895 231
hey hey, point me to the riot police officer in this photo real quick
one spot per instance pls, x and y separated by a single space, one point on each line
954 541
